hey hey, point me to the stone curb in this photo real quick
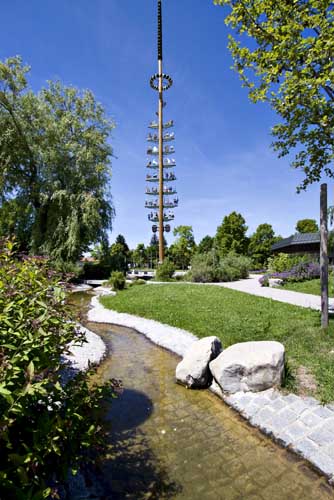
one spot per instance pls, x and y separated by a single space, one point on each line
302 425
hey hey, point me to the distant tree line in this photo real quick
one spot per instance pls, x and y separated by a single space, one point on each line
230 239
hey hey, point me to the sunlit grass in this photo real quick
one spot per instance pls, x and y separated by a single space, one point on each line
236 317
311 286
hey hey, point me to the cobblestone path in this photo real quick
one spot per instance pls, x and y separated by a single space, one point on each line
169 442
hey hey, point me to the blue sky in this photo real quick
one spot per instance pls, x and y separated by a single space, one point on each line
224 160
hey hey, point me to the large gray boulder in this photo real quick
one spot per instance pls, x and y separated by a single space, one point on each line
193 371
249 366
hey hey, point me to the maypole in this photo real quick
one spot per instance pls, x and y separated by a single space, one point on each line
161 82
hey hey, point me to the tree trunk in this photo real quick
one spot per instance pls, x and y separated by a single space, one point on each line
324 256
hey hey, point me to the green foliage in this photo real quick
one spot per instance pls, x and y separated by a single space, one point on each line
283 54
234 267
120 240
55 166
231 235
46 427
96 271
183 247
205 267
205 245
71 269
238 317
265 281
117 280
285 262
311 286
307 226
165 271
139 255
118 258
209 268
260 244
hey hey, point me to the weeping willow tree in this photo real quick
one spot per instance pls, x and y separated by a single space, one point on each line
55 159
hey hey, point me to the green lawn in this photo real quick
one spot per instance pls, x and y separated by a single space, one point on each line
235 317
311 286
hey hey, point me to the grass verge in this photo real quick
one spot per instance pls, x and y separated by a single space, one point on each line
238 317
311 286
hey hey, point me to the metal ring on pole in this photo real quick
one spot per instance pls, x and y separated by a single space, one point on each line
167 82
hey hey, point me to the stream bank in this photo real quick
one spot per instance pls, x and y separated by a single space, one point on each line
168 442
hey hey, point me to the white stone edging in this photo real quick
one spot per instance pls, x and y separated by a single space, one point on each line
171 338
300 424
88 352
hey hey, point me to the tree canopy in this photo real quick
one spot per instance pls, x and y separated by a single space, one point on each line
206 244
139 255
307 226
183 247
260 243
231 235
55 161
119 254
283 52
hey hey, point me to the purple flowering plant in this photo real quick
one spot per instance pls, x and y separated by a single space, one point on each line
300 272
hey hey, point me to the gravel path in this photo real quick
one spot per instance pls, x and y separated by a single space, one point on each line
302 424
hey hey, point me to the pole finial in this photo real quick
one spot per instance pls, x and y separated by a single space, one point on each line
159 31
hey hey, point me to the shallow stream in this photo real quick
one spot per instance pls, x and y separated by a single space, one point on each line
170 442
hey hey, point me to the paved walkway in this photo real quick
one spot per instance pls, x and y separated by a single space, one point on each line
252 286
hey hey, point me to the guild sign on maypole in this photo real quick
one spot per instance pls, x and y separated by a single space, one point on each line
160 163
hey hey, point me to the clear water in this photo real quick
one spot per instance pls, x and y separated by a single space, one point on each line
169 442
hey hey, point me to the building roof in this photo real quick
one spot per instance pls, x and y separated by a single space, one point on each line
297 239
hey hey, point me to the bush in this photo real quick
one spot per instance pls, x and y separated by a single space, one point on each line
234 267
205 267
46 427
285 262
165 271
264 280
117 280
71 269
300 272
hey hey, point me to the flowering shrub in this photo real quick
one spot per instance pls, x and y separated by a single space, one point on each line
300 272
264 280
45 428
